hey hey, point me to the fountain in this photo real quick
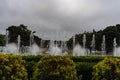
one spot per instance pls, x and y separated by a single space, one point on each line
103 50
41 44
7 37
5 50
31 39
74 42
93 45
79 51
84 41
56 48
18 44
115 47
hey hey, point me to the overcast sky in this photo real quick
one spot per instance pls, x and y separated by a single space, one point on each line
54 17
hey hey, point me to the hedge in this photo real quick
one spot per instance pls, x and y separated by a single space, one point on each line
55 68
84 64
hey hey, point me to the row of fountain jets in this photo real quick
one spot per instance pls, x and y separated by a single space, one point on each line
54 49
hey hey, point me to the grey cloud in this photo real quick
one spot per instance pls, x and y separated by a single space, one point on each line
51 16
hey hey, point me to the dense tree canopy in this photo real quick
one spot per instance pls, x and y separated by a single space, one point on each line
2 40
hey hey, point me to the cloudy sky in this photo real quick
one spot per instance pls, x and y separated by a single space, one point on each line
56 17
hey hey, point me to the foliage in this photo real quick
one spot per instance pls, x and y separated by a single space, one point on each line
108 69
89 59
2 40
85 69
21 30
11 68
84 64
55 68
30 64
110 33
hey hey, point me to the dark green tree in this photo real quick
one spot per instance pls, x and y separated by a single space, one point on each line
23 31
2 40
111 32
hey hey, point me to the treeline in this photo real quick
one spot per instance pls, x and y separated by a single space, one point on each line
110 33
21 30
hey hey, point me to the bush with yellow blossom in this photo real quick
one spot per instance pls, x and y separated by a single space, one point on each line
107 69
12 68
55 68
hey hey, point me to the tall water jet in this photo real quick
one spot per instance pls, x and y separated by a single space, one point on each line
114 47
65 45
51 44
84 41
31 40
73 42
103 49
93 45
41 44
5 49
18 43
6 38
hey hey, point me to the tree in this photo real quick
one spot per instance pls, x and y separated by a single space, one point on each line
21 30
111 32
2 41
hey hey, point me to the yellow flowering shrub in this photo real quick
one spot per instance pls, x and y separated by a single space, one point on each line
12 68
107 69
55 68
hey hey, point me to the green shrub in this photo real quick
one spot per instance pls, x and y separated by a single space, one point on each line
90 59
55 68
108 69
85 69
30 64
11 68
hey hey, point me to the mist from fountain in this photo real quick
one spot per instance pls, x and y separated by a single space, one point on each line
11 48
55 50
79 51
35 50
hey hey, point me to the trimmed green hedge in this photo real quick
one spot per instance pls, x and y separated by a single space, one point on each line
85 69
89 59
84 64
